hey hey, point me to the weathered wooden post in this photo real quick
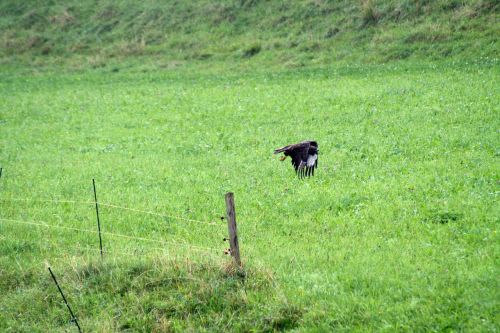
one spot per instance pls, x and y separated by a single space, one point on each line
231 228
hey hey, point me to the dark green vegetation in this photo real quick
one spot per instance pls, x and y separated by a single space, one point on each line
168 34
170 106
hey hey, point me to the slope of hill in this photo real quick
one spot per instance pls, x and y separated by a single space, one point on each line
315 32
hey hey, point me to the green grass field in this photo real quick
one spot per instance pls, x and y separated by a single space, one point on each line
169 105
396 232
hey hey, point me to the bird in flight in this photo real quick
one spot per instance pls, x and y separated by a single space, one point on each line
304 157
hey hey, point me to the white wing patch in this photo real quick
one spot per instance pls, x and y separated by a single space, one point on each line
311 159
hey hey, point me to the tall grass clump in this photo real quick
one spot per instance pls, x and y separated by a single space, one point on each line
369 12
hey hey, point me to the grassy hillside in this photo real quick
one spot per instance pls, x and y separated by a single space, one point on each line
297 33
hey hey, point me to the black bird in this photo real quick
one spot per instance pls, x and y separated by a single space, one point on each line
304 157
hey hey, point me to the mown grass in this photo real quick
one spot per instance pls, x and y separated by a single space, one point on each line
396 232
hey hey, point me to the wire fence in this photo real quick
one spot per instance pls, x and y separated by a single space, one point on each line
250 229
168 244
48 225
140 252
159 214
147 212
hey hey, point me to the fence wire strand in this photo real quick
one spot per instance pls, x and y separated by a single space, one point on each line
47 225
114 206
49 200
138 251
158 214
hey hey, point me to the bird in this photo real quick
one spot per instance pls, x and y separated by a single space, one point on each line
304 157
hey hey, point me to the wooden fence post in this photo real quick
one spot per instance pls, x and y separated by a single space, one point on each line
231 227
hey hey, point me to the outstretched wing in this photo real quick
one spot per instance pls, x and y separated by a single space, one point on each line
298 153
290 148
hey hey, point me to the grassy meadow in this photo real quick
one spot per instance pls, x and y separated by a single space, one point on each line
170 105
396 232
